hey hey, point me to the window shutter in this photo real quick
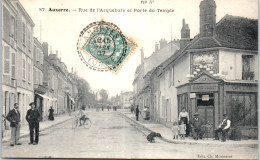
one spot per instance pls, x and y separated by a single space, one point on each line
13 65
7 60
23 69
6 26
29 72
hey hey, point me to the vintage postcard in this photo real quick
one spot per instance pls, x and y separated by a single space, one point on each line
130 79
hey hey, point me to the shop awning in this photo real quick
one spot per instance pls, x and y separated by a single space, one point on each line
45 97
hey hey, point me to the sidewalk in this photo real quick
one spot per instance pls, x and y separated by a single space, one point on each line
167 134
24 131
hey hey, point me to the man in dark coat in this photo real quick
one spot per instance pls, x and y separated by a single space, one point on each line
197 129
137 111
223 128
33 117
14 118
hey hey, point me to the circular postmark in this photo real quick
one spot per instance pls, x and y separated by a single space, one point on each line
102 46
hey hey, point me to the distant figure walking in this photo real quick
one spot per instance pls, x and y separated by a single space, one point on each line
137 111
51 116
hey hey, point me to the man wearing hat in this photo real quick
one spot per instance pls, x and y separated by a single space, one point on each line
14 118
33 117
223 128
196 124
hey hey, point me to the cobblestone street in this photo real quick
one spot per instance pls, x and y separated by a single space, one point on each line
113 136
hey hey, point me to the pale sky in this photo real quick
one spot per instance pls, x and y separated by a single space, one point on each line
61 30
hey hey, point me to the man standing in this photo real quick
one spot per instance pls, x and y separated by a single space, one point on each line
33 117
223 128
137 112
197 130
14 118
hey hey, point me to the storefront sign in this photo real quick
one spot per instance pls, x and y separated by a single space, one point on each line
205 97
192 95
204 87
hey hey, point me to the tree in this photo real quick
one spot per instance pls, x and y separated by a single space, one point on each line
104 95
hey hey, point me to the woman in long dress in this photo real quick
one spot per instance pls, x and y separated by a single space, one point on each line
51 116
184 116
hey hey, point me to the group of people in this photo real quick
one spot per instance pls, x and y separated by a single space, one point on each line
197 127
33 117
146 112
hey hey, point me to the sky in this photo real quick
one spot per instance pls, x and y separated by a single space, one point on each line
61 29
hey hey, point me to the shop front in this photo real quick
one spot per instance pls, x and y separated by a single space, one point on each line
212 97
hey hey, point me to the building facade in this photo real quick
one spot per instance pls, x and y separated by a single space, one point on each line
17 44
126 99
141 84
212 74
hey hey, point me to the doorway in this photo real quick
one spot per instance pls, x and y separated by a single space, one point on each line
205 107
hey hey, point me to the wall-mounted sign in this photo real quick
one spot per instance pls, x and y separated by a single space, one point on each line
205 97
204 87
192 95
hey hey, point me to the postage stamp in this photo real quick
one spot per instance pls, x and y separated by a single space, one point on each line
102 46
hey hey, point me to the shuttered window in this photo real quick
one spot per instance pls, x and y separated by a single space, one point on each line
6 27
13 65
29 72
34 52
6 60
34 76
24 33
24 69
12 27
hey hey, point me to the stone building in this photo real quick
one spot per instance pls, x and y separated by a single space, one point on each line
17 49
126 99
39 88
141 85
214 73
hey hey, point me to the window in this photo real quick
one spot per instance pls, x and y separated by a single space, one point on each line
41 57
34 52
13 65
34 75
38 55
24 69
12 27
29 39
23 33
6 26
6 60
29 72
242 109
171 76
248 62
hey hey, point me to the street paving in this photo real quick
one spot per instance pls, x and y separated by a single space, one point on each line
112 136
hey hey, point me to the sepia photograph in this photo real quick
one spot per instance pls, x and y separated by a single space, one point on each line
129 79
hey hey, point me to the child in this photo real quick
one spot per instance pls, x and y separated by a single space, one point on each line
182 129
175 130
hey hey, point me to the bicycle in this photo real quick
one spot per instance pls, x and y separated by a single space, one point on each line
86 124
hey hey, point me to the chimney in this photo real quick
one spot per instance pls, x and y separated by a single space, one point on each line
45 48
156 46
207 18
185 35
163 43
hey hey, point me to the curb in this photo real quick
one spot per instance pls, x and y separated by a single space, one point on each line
195 142
28 134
